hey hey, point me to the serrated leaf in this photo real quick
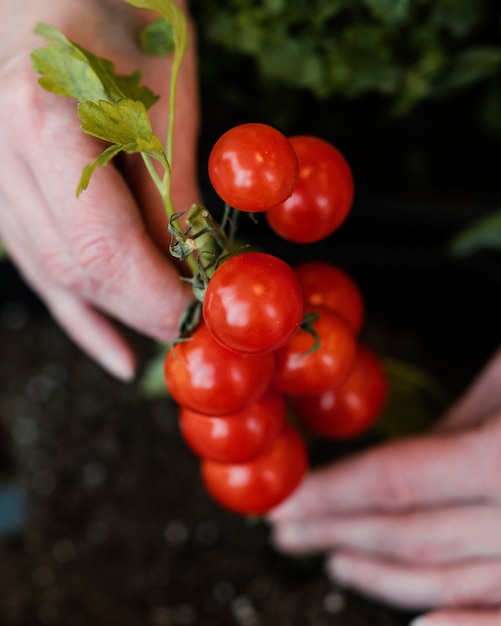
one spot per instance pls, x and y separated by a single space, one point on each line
485 234
69 70
157 38
103 159
174 16
125 123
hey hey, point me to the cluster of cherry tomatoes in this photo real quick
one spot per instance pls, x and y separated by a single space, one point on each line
272 338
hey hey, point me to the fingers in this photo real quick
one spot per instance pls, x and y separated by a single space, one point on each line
463 617
476 583
423 471
93 334
422 538
105 255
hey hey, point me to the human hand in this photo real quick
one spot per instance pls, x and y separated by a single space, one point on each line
103 255
417 522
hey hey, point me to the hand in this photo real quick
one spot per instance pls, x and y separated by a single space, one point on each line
103 255
416 522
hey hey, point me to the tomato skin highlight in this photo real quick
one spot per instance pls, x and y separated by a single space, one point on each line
208 378
235 438
256 487
322 197
353 407
253 303
301 372
327 285
253 167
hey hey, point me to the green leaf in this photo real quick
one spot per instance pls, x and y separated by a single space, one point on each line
389 11
71 71
125 123
3 251
152 381
482 235
173 15
103 159
416 400
157 38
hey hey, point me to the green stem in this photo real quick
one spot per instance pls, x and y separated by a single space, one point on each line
176 66
153 173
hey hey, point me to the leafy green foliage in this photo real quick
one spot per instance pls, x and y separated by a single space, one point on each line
416 400
484 234
157 38
111 107
173 15
71 71
407 51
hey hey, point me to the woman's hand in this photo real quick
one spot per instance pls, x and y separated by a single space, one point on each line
103 255
417 522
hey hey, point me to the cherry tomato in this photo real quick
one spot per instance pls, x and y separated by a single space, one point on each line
253 167
351 408
238 437
203 375
255 487
322 197
303 369
329 286
253 303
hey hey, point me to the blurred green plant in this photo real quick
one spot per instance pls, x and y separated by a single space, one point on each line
406 50
484 234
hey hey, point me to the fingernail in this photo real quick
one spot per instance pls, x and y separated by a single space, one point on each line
117 367
339 569
290 536
422 621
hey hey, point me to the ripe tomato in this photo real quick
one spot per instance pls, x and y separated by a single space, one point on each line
207 377
351 408
255 487
302 371
238 437
253 167
253 303
329 286
322 197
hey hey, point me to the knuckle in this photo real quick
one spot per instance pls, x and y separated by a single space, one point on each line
61 270
99 258
393 484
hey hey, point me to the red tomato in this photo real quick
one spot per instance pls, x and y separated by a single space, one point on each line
238 437
322 197
253 167
255 487
253 303
351 408
203 375
301 370
326 285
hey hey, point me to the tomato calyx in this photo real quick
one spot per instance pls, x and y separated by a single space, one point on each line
307 325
